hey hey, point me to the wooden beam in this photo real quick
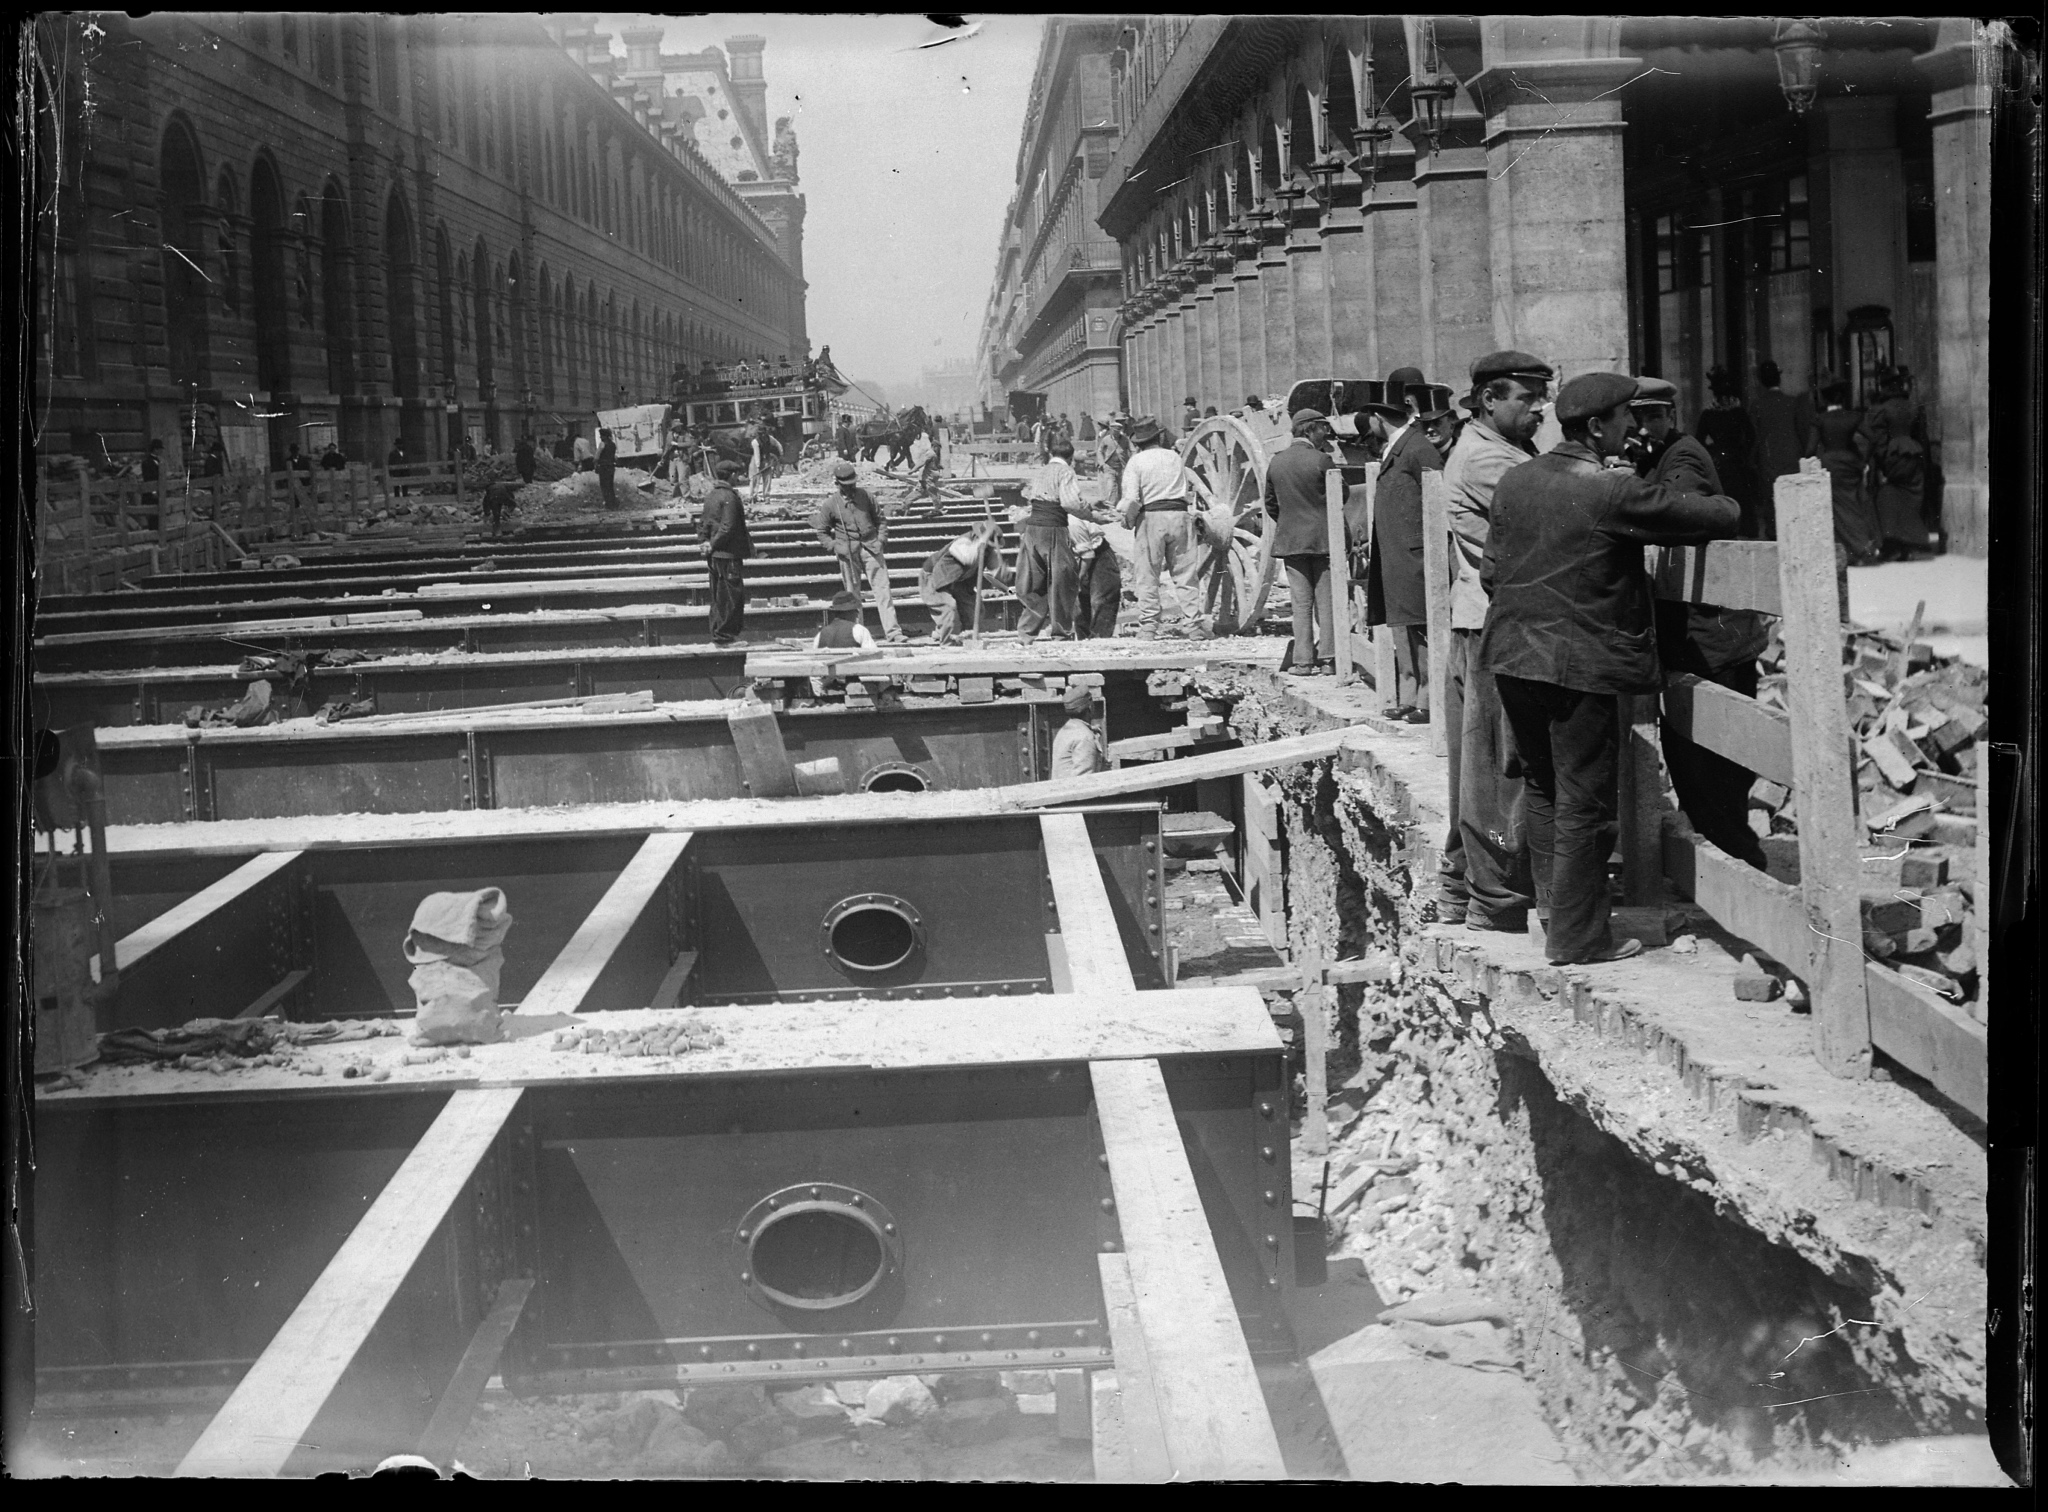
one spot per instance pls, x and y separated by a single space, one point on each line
1830 865
764 759
1723 574
267 1417
473 1372
1749 904
1340 577
948 662
269 1000
1167 740
1641 800
670 992
1929 1037
1134 1448
1436 580
1094 949
1155 775
571 975
131 950
1203 1382
1725 722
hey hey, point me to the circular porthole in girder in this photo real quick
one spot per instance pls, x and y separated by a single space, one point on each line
871 933
818 1246
896 777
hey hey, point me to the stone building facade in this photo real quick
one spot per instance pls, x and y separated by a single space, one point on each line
291 227
1626 193
1051 327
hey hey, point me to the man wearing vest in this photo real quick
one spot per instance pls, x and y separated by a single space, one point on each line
722 531
955 573
1045 553
851 527
1166 543
842 631
1568 630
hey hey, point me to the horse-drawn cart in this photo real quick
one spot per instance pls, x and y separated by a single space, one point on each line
1226 457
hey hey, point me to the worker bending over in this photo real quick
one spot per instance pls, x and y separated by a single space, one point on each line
955 573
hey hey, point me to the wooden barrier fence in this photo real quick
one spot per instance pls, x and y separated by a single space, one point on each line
1814 929
92 533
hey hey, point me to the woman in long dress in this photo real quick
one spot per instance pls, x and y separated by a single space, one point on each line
1897 440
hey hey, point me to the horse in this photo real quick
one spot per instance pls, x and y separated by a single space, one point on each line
897 434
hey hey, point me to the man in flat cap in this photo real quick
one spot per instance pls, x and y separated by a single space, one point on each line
1296 502
1166 544
850 526
1394 594
1484 879
1045 555
722 532
1568 630
1720 645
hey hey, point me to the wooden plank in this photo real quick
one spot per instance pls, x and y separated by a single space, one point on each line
131 949
1152 776
1134 1447
273 997
1209 1402
1724 574
575 970
268 1415
1340 575
1727 723
670 992
1641 800
1051 659
1313 1001
764 759
1929 1037
473 1372
1169 740
1749 904
1984 894
1436 575
1830 864
1094 949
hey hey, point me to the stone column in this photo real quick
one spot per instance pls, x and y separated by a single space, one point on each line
1309 288
1348 259
1229 367
1136 379
1276 294
1554 188
1190 351
1456 310
1390 227
1211 381
1959 68
1251 322
1173 371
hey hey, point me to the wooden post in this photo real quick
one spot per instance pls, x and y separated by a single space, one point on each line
1340 576
1641 800
456 463
1436 571
1830 861
1315 1052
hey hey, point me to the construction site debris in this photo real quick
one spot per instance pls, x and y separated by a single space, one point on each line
677 1038
456 946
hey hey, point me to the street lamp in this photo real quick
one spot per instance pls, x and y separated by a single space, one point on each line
1432 88
1798 44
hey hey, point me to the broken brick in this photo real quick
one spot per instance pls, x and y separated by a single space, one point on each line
1756 987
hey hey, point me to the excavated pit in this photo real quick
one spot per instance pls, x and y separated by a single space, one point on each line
1692 1296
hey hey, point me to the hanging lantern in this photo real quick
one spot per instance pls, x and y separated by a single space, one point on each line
1798 44
1432 89
1370 132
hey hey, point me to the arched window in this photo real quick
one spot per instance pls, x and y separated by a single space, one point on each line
566 317
547 337
226 212
516 355
266 244
444 290
182 185
480 294
302 277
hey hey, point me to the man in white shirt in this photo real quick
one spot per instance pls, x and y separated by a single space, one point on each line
1076 746
1091 595
1167 543
1045 557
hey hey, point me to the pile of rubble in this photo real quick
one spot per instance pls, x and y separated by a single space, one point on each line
678 1038
503 467
1916 719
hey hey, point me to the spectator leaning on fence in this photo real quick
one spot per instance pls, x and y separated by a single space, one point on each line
1569 630
1484 879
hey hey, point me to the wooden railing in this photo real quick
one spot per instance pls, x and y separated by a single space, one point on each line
93 533
1813 929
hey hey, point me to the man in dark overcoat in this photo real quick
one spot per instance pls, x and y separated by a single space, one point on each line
1568 631
1393 583
1299 506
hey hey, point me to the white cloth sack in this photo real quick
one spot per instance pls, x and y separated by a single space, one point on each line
456 945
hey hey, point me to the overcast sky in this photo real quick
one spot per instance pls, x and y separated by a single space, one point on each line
907 156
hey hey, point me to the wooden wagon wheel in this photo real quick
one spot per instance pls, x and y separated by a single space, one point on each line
1227 465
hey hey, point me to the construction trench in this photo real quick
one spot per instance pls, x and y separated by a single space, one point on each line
774 1175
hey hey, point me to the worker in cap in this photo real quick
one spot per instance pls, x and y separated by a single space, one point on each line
1167 544
1483 872
1569 631
1077 744
954 575
1719 645
850 525
1297 502
722 532
1394 593
842 631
